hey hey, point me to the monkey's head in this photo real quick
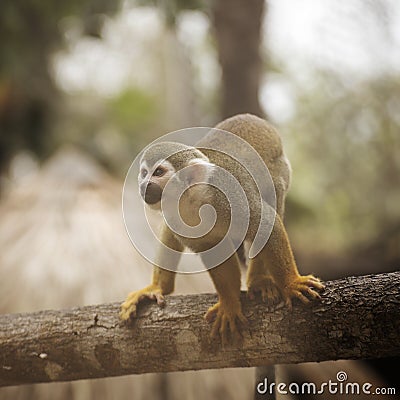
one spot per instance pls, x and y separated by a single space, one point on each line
161 163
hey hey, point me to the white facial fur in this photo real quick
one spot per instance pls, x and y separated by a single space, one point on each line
150 177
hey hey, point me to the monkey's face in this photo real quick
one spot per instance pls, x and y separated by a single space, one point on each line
152 181
174 164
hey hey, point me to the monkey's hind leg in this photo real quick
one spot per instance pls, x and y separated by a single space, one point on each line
163 280
227 313
278 256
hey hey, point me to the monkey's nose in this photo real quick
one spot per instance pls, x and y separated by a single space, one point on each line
151 193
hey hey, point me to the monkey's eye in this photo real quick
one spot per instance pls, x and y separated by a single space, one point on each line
143 173
159 171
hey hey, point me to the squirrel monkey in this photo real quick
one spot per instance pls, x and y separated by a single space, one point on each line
273 271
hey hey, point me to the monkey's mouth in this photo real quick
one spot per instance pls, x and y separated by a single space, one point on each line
151 193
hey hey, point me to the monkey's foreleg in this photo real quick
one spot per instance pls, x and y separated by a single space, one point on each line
163 280
163 283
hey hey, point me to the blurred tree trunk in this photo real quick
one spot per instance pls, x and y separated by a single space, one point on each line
237 29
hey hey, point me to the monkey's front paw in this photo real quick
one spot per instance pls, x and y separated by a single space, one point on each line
303 288
129 307
226 319
266 286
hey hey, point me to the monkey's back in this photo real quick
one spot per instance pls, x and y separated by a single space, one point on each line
265 139
257 132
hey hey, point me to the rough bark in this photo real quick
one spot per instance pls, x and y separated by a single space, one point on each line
358 317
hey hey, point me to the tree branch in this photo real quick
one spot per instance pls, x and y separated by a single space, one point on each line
358 317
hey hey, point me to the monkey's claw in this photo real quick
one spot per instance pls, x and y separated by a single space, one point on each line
267 287
304 288
226 319
129 307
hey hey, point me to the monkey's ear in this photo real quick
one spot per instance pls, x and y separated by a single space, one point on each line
199 171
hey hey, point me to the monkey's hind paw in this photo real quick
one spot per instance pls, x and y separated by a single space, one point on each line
267 287
304 288
226 319
129 307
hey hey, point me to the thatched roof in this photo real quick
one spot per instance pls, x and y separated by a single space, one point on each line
62 238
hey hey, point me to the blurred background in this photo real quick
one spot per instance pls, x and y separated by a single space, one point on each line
85 85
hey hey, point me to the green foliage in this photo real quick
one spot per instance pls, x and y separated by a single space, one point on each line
133 110
345 146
